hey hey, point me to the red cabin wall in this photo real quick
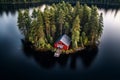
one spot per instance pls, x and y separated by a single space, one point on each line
65 47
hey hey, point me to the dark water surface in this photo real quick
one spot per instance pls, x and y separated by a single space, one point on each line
103 63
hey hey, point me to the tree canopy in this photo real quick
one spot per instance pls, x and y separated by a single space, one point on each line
81 23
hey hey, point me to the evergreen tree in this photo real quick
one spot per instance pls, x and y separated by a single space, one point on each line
40 21
21 22
61 20
81 23
27 20
86 16
93 25
77 10
41 38
76 32
47 22
32 32
66 28
100 29
84 39
34 13
68 18
52 23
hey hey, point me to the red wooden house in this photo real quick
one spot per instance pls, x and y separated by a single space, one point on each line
63 42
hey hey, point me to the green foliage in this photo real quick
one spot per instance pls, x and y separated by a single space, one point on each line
86 16
61 20
100 28
20 21
48 46
41 43
52 22
76 32
47 22
94 25
84 38
80 22
32 32
34 13
27 21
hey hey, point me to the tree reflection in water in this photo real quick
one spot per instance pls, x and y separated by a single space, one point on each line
87 56
47 59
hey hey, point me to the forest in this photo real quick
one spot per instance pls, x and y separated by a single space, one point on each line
81 23
85 1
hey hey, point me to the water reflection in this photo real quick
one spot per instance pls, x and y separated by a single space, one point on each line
87 56
47 59
112 11
14 8
19 64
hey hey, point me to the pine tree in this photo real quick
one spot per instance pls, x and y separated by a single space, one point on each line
86 16
47 22
34 13
40 21
81 23
76 32
84 39
21 22
66 28
52 23
61 18
77 9
32 32
27 21
100 29
93 25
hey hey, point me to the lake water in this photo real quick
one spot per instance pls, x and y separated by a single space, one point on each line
103 63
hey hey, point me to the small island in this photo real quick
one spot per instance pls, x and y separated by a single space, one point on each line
83 25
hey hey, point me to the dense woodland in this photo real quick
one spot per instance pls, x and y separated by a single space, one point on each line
86 1
81 23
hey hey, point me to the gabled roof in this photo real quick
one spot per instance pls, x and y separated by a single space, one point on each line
65 39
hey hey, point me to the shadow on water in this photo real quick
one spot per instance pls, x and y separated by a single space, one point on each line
87 56
47 59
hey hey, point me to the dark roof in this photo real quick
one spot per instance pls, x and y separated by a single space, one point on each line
65 39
